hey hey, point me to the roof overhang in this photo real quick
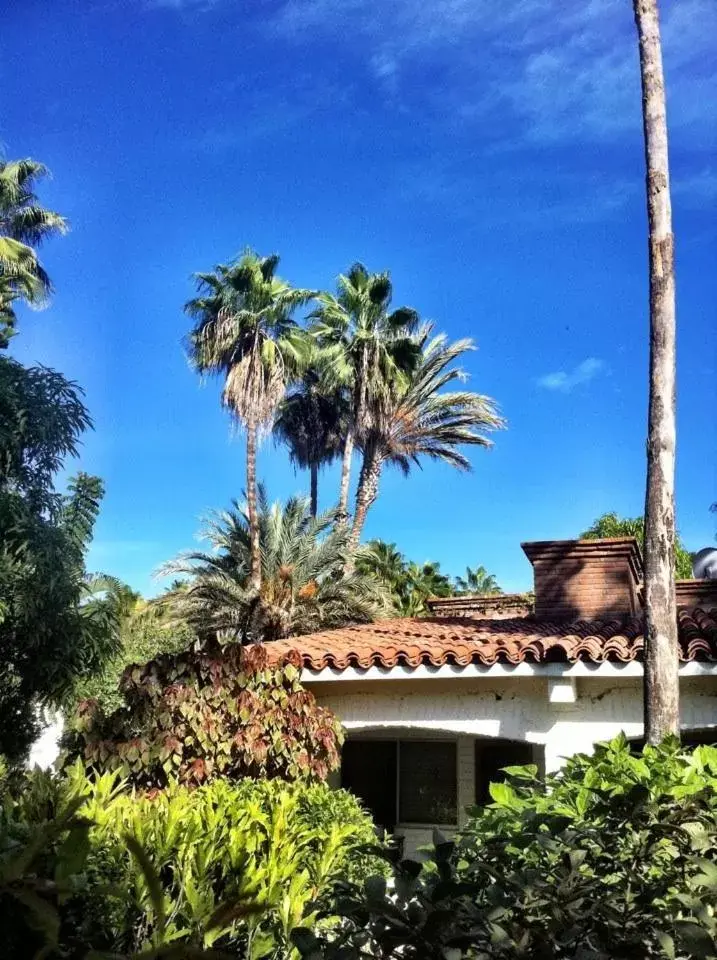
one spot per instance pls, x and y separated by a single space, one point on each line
499 671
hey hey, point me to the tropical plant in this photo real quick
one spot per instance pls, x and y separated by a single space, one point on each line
304 586
216 711
409 584
24 224
54 627
662 685
615 857
478 582
611 525
312 421
88 868
369 350
423 421
146 629
385 562
244 333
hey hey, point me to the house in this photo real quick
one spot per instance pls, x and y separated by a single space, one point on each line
434 707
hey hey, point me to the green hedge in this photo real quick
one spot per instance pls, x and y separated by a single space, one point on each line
230 865
615 857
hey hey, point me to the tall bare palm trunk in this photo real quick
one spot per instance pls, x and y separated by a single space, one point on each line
365 496
314 473
662 690
343 509
255 544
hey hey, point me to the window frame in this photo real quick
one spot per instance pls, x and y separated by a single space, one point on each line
397 741
426 823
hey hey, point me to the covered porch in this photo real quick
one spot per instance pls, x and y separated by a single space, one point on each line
412 780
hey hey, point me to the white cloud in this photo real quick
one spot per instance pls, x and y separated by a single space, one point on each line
561 70
565 381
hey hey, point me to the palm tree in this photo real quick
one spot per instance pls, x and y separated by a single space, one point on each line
24 224
303 588
385 562
662 686
244 332
370 351
424 422
478 583
312 422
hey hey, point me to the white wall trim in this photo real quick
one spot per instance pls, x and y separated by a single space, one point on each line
582 669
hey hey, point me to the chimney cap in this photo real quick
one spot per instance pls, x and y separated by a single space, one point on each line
604 546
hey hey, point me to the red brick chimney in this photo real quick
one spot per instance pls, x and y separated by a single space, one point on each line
585 579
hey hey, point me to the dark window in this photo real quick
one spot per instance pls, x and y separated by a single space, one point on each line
368 770
491 756
428 791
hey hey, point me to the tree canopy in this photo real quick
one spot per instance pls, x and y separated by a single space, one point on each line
54 626
611 525
24 224
304 586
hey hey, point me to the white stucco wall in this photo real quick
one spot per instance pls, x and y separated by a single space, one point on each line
516 708
46 749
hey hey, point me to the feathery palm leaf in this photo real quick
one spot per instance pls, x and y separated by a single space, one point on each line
24 224
303 586
478 582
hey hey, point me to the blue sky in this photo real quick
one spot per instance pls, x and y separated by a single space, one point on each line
489 155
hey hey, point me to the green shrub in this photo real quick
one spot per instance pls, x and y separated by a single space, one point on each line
234 866
615 857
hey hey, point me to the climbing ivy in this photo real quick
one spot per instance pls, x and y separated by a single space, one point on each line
217 711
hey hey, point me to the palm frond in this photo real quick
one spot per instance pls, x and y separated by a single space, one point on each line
304 586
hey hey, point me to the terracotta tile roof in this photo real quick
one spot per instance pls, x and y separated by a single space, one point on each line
463 640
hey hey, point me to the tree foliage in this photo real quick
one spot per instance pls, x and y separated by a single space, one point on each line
24 224
244 332
409 584
146 630
54 626
613 858
611 525
304 586
478 582
312 421
368 351
216 711
424 421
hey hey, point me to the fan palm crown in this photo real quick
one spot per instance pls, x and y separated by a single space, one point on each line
312 420
244 332
370 350
425 421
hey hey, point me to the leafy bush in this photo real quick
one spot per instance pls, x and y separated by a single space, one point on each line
216 711
228 866
615 857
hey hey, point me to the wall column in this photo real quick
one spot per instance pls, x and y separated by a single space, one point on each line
466 776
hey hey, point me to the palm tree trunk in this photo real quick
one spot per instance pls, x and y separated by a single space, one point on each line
662 689
365 496
343 508
255 573
314 472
